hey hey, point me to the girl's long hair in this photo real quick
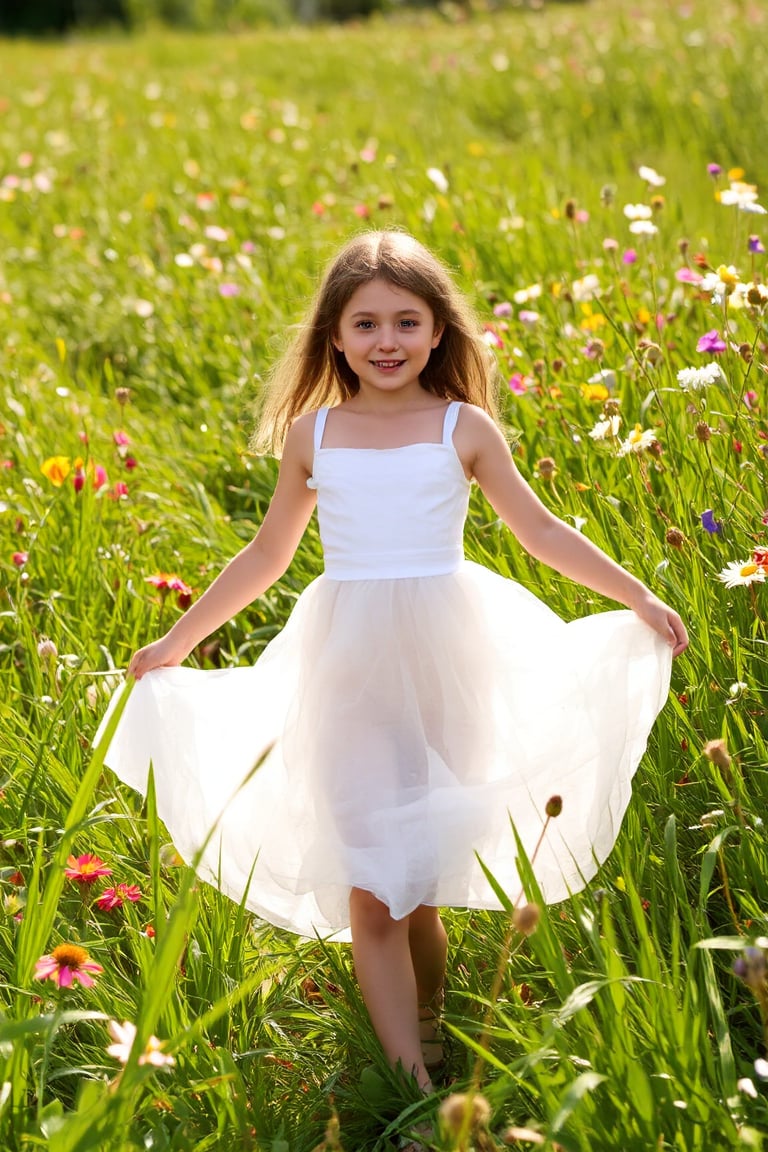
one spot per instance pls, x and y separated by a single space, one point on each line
313 373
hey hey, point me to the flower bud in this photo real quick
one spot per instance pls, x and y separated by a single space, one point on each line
122 395
526 919
47 650
554 806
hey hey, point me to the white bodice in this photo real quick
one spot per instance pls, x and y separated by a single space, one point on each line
389 513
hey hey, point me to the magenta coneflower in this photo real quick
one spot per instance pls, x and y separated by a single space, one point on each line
85 869
67 964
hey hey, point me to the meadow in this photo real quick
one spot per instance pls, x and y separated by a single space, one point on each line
596 176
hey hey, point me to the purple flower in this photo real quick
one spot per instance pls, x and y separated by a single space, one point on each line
629 256
754 244
709 524
228 289
711 341
503 309
714 170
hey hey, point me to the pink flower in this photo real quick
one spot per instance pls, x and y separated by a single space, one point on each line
362 210
124 1037
85 869
503 309
120 488
121 438
115 897
20 558
630 256
67 964
131 462
99 475
688 276
711 342
228 289
518 384
751 399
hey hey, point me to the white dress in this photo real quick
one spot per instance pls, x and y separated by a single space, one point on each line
414 705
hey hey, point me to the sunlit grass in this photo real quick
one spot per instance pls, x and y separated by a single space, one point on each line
167 205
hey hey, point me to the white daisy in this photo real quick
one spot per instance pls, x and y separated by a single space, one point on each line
692 379
741 572
643 228
638 211
651 176
639 440
607 426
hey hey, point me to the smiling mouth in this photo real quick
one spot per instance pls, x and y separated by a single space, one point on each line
387 363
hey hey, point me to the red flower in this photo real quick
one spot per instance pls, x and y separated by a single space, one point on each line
115 897
20 558
67 964
85 869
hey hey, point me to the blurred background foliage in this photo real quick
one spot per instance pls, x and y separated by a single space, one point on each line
55 17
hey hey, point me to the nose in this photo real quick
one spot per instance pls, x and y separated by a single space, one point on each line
387 338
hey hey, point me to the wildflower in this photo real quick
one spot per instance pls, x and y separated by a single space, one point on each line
761 1068
637 211
639 440
760 557
607 426
643 228
742 196
519 384
525 295
503 309
703 432
755 245
86 869
651 176
737 689
120 488
757 295
586 288
629 256
439 179
20 558
528 317
714 170
121 439
746 1086
693 379
78 478
112 898
526 919
56 469
605 377
67 964
675 538
712 342
739 572
688 276
708 522
751 968
124 1037
122 395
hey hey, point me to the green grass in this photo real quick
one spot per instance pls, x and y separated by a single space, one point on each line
619 1023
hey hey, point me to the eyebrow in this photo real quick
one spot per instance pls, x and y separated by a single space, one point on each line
401 312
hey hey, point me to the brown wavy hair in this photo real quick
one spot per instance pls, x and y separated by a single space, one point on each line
313 373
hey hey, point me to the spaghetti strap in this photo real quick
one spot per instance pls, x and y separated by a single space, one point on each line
320 419
449 421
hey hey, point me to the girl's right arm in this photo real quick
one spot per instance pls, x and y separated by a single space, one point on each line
255 568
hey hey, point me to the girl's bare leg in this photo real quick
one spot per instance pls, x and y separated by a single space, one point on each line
429 949
385 973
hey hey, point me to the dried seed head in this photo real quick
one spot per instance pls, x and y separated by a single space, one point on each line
453 1112
717 752
546 468
570 209
703 431
526 919
611 408
122 395
675 538
745 351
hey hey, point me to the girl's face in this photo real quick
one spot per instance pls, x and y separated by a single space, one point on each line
387 335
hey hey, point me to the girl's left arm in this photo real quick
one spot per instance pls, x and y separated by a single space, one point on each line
485 454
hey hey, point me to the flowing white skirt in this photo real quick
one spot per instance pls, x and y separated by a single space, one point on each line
403 725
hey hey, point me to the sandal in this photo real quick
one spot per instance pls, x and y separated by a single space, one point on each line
430 1030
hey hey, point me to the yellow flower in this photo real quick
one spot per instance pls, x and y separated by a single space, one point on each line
727 276
597 392
56 469
735 173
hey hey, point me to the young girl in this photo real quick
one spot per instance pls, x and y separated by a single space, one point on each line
416 705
